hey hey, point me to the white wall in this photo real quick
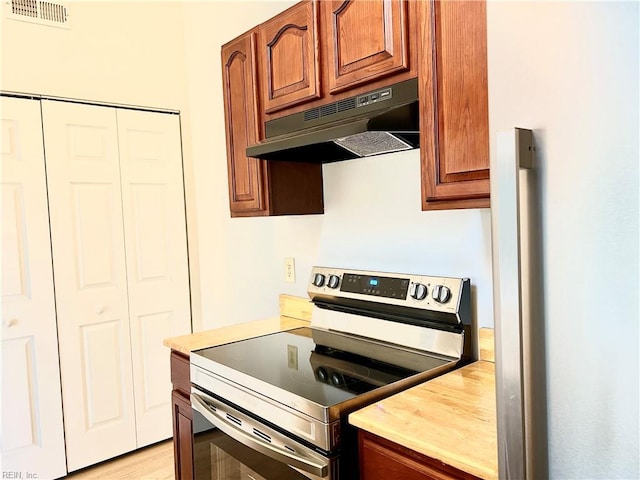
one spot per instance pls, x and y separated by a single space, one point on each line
241 260
120 52
570 72
373 221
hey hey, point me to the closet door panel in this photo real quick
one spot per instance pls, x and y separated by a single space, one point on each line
91 287
32 430
157 264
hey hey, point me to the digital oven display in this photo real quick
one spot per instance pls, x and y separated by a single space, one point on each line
388 287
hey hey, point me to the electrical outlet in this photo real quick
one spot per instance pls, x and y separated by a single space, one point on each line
289 270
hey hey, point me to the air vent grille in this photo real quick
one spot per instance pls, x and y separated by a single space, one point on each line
333 108
311 114
347 104
329 109
52 14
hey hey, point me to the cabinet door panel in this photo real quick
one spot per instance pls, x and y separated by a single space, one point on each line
246 175
182 437
381 459
289 54
32 429
455 128
91 288
157 263
360 51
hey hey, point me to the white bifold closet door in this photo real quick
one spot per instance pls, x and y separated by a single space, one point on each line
120 262
32 432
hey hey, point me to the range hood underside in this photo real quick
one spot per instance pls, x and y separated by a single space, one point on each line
382 128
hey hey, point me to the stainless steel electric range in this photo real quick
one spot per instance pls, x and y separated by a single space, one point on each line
276 406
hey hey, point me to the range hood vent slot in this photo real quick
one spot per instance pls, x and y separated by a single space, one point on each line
330 109
312 114
346 104
51 14
381 121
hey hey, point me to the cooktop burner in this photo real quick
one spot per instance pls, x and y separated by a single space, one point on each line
304 362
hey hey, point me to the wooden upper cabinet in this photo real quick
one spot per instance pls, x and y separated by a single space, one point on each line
364 40
258 187
454 130
289 55
246 174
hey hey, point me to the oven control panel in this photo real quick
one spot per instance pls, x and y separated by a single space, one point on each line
443 294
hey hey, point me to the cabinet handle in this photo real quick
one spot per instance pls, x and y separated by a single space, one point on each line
11 323
100 309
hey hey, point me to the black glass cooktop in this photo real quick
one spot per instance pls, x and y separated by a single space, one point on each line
324 367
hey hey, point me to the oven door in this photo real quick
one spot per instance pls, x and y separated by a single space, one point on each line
230 445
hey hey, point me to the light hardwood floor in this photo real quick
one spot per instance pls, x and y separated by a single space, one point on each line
150 463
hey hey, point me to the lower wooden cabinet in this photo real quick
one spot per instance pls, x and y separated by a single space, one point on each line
381 459
182 416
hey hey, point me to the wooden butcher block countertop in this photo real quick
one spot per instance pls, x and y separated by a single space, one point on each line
451 418
295 312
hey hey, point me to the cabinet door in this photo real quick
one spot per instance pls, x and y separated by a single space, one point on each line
247 179
182 437
91 286
156 253
454 138
365 40
381 459
32 432
288 49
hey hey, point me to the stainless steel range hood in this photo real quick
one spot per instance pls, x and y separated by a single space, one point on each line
381 121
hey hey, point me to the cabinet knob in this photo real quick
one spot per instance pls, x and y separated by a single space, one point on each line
11 323
100 309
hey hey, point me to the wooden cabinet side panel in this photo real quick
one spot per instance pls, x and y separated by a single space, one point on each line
289 57
182 437
364 40
383 460
246 174
296 188
453 94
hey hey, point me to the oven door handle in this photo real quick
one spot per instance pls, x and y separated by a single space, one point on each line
284 456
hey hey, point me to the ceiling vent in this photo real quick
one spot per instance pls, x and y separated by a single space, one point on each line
52 14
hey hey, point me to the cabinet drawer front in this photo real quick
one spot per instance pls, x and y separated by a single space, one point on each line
180 375
289 54
366 40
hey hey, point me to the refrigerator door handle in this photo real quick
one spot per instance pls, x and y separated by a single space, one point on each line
515 151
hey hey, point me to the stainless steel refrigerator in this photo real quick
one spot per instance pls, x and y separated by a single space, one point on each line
518 302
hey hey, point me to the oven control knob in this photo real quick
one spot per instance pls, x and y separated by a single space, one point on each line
335 378
322 374
318 280
334 281
441 294
419 291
